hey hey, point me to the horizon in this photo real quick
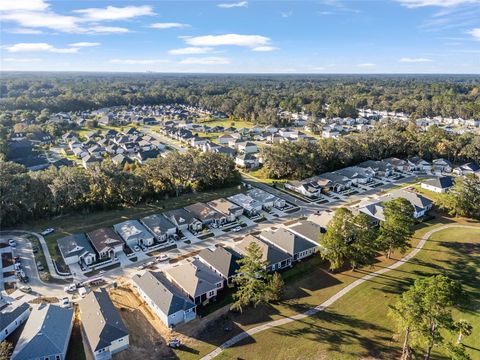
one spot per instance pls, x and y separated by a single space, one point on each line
242 37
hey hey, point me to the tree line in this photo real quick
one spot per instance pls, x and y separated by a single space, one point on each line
254 98
302 159
27 195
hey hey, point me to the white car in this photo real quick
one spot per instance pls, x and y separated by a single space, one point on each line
65 302
136 248
47 231
12 243
82 291
70 288
163 257
237 229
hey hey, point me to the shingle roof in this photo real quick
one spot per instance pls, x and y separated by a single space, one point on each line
132 230
417 200
157 224
442 182
194 277
45 333
307 229
74 245
104 238
287 241
270 253
7 317
101 320
221 259
162 293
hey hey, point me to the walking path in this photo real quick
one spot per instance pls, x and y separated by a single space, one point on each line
332 299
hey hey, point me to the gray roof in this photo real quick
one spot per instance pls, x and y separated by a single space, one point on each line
322 219
157 224
163 294
132 230
104 238
224 206
181 216
287 240
101 320
442 182
307 229
270 253
8 315
418 201
221 259
203 212
45 333
374 210
261 195
194 277
74 245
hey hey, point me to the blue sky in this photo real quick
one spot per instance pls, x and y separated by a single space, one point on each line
329 36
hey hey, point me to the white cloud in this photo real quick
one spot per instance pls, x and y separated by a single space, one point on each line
169 25
115 13
415 60
104 30
233 5
367 65
286 14
190 50
138 61
251 41
212 60
475 33
25 31
85 44
264 48
439 3
47 19
21 60
39 47
29 5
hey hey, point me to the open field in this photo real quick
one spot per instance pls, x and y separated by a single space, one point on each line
357 325
226 123
73 223
307 284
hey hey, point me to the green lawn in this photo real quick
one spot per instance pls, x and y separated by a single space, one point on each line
229 123
74 223
357 325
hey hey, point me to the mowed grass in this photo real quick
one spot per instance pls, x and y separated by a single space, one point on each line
357 326
81 223
226 123
308 284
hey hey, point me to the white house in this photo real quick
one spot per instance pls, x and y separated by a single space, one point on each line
134 233
438 185
11 317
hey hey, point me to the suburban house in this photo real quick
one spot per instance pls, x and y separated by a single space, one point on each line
276 258
247 161
442 165
11 317
168 302
221 260
159 226
184 220
106 242
378 167
267 200
421 204
104 329
418 164
196 279
134 233
468 168
439 185
374 210
307 230
308 189
46 334
206 214
75 249
247 147
357 175
398 164
90 160
338 181
250 206
225 207
296 246
322 219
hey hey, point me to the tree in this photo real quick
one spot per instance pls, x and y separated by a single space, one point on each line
396 230
251 280
5 350
463 199
363 247
425 310
458 352
464 328
275 287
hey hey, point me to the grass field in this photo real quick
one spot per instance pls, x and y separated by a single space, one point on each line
357 325
74 223
226 123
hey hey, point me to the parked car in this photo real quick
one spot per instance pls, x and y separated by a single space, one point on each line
12 243
40 266
35 249
237 229
17 260
70 288
82 291
136 248
65 302
26 289
144 248
17 267
47 231
174 343
141 267
163 257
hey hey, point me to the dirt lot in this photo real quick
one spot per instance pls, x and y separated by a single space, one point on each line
148 335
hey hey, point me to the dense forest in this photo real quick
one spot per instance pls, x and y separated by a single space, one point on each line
27 195
303 159
251 97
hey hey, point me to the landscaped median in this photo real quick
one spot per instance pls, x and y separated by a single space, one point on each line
309 284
